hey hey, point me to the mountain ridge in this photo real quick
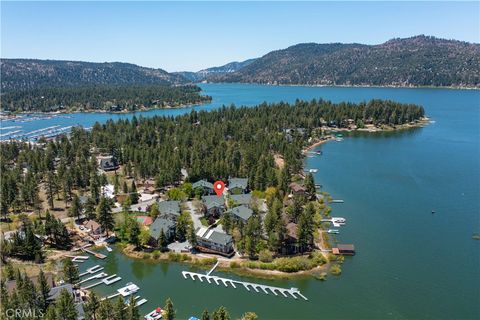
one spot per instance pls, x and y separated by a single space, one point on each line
415 61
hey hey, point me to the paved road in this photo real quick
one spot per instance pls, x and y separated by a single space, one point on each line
195 216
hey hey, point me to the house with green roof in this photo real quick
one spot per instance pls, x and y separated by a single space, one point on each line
205 186
238 185
165 224
241 199
213 205
212 241
169 209
241 213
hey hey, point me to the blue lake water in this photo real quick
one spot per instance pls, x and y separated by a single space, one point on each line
410 263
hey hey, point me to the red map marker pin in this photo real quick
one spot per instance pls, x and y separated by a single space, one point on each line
218 186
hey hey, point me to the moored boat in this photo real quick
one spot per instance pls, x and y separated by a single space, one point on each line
154 315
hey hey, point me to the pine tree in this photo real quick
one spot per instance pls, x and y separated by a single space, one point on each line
133 193
51 313
91 307
221 314
169 311
70 271
192 236
65 306
119 310
90 209
76 208
133 313
104 215
309 184
43 290
205 315
105 310
134 234
162 241
125 187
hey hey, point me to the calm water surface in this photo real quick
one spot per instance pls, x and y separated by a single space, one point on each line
411 264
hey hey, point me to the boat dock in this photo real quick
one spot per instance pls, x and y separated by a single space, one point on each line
337 201
107 281
96 254
91 270
292 292
97 276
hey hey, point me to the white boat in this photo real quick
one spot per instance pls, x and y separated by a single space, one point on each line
333 231
313 170
109 249
129 289
339 220
154 315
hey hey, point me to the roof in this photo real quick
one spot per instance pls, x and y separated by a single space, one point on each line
242 198
213 201
144 220
296 187
214 236
202 184
91 224
169 207
54 292
346 247
292 230
243 212
161 224
241 183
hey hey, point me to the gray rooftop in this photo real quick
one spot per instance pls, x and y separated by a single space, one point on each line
202 184
214 236
242 212
237 183
169 207
161 224
240 199
213 201
54 292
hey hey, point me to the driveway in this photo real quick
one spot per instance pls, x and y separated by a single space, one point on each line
195 216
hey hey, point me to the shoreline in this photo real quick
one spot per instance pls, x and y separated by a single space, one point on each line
346 86
62 112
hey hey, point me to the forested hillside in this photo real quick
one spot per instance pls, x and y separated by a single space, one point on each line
22 74
416 61
107 98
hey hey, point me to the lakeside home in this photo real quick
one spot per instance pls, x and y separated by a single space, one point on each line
107 163
344 249
162 224
212 241
241 199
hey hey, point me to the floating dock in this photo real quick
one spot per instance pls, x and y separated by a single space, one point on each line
91 270
97 276
292 292
96 254
107 281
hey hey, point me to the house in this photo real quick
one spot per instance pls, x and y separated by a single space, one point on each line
93 227
297 189
207 187
291 242
165 224
149 190
241 199
212 241
241 213
107 163
144 220
54 295
169 209
213 205
237 185
344 249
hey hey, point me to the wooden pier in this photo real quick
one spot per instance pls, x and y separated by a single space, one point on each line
292 292
91 270
96 254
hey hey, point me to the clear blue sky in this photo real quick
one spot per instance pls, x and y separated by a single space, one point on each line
196 35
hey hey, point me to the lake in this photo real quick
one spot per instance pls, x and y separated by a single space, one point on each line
410 263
